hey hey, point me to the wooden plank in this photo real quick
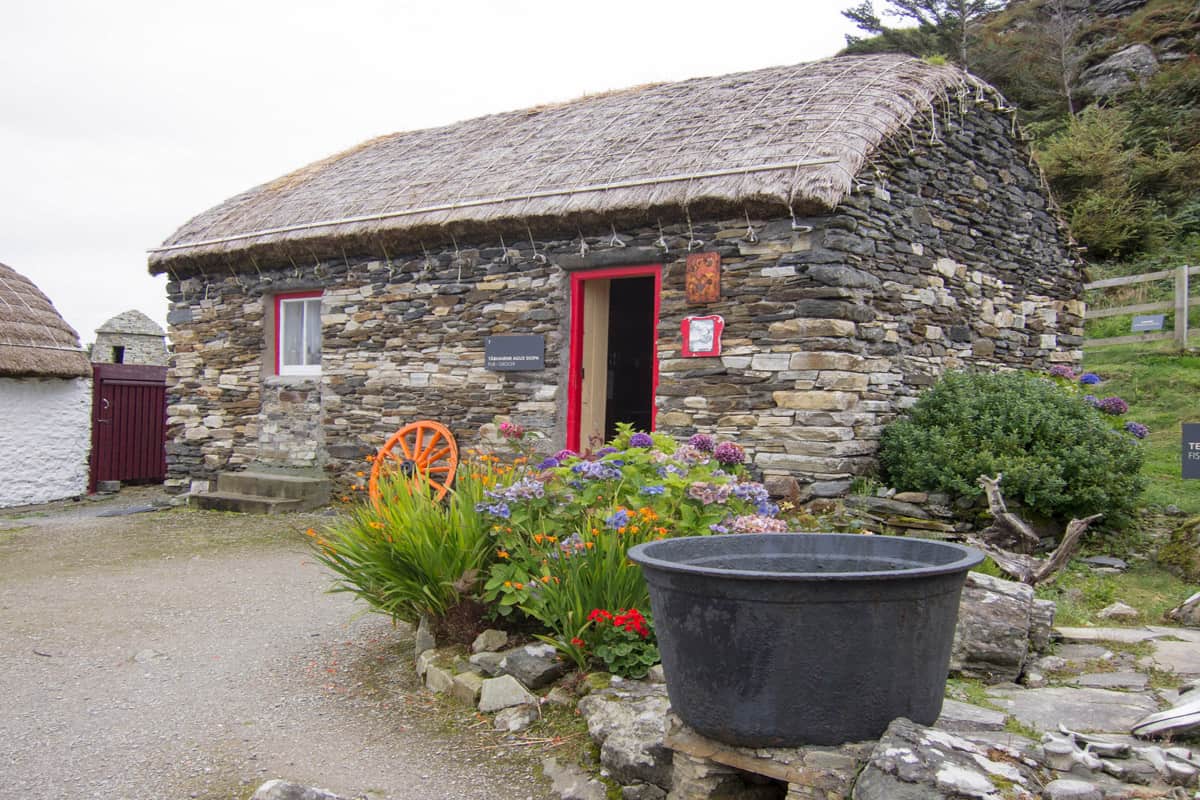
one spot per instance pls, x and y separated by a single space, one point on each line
1131 279
1138 309
1181 306
1137 337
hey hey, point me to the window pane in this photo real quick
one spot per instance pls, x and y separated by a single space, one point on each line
312 332
291 338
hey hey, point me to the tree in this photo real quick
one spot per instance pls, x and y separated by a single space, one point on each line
946 25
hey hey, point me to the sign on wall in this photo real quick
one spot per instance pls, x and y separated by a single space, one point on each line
703 282
702 336
514 353
1147 322
1191 449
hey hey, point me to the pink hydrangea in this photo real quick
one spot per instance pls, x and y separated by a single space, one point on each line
729 454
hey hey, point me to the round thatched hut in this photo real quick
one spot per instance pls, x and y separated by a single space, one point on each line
45 394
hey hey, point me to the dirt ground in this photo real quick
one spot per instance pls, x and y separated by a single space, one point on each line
185 654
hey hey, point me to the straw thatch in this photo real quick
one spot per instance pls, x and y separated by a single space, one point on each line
790 136
34 339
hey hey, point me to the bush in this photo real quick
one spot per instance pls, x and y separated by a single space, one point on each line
1060 456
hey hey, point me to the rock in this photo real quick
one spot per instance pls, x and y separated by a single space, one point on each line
466 688
1121 635
424 660
283 790
1120 611
490 641
642 791
1180 554
488 662
503 692
1078 709
959 717
1066 789
148 655
1187 612
991 639
1041 624
423 638
1106 561
438 680
656 674
829 488
628 722
1182 658
535 665
917 498
594 682
1120 71
515 718
912 762
1032 679
570 782
1135 681
886 506
559 696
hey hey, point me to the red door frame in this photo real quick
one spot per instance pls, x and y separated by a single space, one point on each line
574 380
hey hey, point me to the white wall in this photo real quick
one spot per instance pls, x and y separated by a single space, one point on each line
45 437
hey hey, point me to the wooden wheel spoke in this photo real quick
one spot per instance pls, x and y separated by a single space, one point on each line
425 448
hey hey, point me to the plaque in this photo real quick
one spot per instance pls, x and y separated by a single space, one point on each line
702 336
1147 322
1191 449
703 277
514 353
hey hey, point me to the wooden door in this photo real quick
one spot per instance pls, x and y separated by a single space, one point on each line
129 415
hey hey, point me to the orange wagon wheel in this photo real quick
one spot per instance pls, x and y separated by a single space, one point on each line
423 447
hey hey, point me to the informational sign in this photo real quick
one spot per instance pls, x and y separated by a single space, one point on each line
514 353
1147 322
1191 449
702 336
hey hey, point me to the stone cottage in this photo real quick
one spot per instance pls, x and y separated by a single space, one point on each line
130 338
784 257
45 398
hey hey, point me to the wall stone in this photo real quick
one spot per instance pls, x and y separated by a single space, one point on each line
945 256
45 438
139 348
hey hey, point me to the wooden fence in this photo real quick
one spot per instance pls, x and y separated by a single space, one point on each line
1183 301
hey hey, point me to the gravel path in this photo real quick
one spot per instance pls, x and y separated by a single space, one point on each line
179 653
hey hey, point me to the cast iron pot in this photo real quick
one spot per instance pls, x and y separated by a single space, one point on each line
784 639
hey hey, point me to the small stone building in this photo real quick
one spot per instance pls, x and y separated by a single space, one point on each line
130 338
784 257
45 398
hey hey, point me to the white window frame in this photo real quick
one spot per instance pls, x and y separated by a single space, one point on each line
306 301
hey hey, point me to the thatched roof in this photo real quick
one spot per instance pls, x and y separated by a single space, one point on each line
782 136
34 339
132 323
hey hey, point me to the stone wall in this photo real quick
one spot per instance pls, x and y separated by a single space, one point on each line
945 256
45 438
139 348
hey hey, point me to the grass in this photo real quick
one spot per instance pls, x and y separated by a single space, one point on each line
1161 385
1080 593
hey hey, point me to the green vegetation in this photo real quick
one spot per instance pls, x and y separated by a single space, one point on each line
1162 385
1061 457
1080 593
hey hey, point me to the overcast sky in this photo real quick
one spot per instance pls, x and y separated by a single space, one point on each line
121 120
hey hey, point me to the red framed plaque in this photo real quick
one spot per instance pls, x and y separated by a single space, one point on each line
703 284
702 336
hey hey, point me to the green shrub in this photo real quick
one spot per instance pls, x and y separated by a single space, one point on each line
1060 457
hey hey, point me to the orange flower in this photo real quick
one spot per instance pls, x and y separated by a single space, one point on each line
508 584
537 537
551 539
545 579
518 586
361 474
589 545
502 553
311 532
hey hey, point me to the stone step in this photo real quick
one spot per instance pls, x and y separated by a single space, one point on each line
314 492
247 503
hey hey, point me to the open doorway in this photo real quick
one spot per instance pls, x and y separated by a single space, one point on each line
614 353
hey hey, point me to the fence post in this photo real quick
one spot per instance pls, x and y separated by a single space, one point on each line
1181 307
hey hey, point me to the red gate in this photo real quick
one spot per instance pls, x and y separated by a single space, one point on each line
129 415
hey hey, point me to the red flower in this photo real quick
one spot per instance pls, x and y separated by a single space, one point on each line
577 641
599 615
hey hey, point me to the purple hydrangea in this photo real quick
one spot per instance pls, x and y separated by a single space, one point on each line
596 471
653 490
549 463
563 455
757 523
702 442
729 454
1091 400
717 527
618 519
524 489
1137 429
606 451
1113 405
643 440
671 469
500 510
1062 371
709 493
1089 379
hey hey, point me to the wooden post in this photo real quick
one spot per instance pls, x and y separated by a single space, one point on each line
1181 307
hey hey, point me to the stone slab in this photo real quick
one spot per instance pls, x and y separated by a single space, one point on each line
1182 658
1123 635
1135 681
1085 709
958 717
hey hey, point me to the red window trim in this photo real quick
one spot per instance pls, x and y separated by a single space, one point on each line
279 298
574 384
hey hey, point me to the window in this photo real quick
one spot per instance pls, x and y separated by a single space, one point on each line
118 354
298 333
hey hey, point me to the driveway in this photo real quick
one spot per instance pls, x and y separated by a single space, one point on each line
179 653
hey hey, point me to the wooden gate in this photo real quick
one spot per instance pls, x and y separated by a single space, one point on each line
129 415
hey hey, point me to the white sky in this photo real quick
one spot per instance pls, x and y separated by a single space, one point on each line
121 120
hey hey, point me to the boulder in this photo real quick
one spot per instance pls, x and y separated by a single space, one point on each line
466 688
489 663
503 692
628 721
438 680
570 782
992 638
515 718
1120 71
1067 789
423 638
1187 612
489 641
1119 611
912 762
1085 709
283 790
535 665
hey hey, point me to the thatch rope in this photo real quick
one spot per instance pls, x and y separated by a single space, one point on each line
34 339
784 136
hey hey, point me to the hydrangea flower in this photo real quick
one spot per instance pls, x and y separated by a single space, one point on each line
717 527
757 523
1089 379
1137 429
642 440
500 510
563 455
1062 371
605 451
729 454
1091 400
671 469
1113 405
690 455
596 471
653 490
709 493
550 462
618 519
524 489
702 442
